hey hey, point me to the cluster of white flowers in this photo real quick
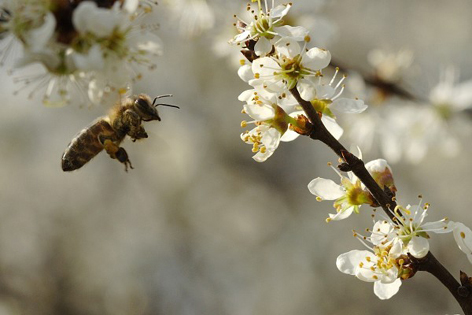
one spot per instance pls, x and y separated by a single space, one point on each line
406 130
278 66
278 61
393 240
87 49
393 244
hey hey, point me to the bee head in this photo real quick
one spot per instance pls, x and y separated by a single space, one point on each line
145 109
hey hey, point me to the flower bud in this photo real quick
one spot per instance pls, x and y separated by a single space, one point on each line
382 173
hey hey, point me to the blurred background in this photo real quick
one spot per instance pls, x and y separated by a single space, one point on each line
198 227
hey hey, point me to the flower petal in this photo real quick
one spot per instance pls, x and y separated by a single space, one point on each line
316 58
298 33
280 11
418 246
341 215
332 126
263 46
384 291
348 263
325 189
463 237
348 106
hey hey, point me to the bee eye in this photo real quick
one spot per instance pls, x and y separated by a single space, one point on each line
145 107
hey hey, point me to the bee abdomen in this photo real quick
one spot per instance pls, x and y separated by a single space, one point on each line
85 146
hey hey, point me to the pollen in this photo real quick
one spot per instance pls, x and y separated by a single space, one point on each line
243 124
257 75
122 90
328 220
319 199
242 62
307 38
462 235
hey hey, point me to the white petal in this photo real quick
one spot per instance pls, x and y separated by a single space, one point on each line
332 126
463 237
325 189
341 215
298 33
260 112
37 38
241 37
348 106
262 47
245 73
418 247
246 95
288 47
130 5
316 58
265 66
146 43
397 248
348 263
307 89
289 135
439 227
385 291
271 140
378 165
280 11
81 14
93 60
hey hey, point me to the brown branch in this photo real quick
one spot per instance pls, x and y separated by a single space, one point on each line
429 263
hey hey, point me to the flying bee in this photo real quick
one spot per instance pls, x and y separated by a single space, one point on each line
109 131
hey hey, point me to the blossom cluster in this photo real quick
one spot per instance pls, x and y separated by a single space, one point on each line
277 61
280 68
405 126
395 241
87 49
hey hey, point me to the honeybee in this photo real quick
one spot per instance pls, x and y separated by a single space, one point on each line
109 131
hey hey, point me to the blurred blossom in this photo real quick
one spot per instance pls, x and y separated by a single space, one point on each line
390 66
194 17
85 49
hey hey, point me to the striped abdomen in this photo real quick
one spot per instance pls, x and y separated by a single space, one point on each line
86 145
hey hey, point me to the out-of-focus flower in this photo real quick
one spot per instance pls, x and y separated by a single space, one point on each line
388 66
97 46
194 16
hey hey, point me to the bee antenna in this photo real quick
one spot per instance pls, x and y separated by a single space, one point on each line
168 105
160 96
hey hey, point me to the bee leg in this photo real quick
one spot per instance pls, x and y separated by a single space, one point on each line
116 152
122 156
